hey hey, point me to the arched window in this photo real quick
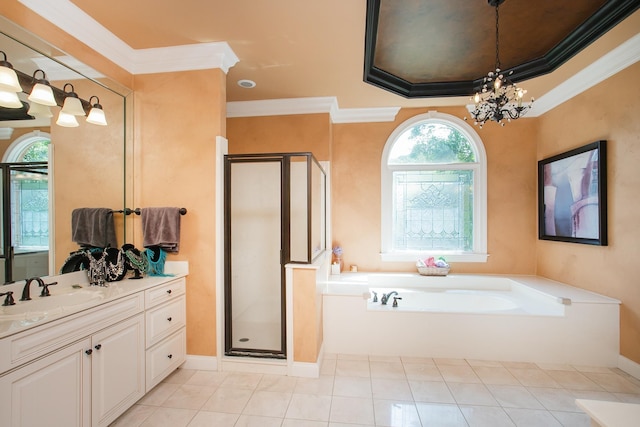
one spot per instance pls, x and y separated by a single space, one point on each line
434 191
27 173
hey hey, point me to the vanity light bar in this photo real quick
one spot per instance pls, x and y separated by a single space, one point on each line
94 112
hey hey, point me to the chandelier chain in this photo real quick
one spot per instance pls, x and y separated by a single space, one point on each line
497 37
499 98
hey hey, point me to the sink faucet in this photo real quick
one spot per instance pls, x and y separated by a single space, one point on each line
45 288
385 297
8 299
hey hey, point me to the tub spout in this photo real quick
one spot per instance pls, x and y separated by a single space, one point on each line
385 297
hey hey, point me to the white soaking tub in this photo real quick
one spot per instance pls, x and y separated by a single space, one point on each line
490 317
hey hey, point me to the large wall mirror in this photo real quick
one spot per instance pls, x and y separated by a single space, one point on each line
48 169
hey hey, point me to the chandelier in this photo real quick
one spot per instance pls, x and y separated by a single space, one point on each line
499 99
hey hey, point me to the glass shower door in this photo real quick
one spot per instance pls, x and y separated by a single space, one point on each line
254 292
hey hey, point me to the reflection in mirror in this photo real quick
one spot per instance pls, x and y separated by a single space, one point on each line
307 214
49 169
299 215
318 209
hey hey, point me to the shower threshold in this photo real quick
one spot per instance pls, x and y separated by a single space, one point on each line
256 354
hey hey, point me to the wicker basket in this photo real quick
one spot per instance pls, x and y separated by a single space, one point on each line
434 271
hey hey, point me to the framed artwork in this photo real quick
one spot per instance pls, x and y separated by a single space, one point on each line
572 196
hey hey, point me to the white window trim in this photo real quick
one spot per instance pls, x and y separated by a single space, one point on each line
479 253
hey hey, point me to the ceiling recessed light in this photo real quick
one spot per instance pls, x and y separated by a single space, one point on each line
248 84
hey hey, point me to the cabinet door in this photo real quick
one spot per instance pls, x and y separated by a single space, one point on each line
52 391
118 371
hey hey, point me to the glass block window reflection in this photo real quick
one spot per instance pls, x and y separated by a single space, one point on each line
433 210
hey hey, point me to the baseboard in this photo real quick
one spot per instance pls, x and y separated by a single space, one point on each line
200 363
304 370
629 366
307 369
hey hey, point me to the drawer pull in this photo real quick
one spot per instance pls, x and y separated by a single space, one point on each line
169 291
169 319
170 356
89 352
98 347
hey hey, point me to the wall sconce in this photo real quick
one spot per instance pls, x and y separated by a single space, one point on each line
8 77
72 104
96 115
39 110
42 92
67 120
9 85
9 99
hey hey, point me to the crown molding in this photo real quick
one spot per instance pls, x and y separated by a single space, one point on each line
289 106
199 56
365 115
281 107
73 20
623 56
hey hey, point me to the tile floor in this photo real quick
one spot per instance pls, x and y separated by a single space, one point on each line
384 391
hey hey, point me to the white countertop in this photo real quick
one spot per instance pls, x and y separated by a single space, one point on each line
611 414
13 324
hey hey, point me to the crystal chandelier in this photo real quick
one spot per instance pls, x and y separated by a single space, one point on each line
500 99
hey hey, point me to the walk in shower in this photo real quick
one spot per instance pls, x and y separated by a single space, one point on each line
275 212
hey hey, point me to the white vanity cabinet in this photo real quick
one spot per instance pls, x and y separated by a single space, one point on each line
165 334
52 391
117 369
87 368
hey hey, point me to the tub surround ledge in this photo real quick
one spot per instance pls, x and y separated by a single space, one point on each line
554 322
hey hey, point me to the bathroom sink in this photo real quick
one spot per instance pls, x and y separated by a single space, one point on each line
39 308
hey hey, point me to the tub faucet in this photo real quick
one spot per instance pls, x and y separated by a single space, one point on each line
385 297
375 296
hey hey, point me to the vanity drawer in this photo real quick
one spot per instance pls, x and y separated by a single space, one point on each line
164 357
165 319
164 293
28 345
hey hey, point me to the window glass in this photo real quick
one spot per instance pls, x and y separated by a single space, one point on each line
428 143
434 190
433 210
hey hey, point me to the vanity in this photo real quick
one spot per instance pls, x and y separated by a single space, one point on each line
85 354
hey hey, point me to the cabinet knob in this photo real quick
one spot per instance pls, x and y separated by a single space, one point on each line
168 291
89 352
170 356
169 319
98 347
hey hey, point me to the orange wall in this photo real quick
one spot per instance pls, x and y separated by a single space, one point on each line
607 111
307 316
355 154
176 168
176 128
281 134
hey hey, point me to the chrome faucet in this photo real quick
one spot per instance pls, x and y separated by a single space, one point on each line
385 297
26 295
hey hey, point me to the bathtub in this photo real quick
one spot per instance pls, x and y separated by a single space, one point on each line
484 317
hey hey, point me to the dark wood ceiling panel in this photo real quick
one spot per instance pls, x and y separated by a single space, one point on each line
445 47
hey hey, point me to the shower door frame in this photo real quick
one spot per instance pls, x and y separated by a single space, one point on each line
229 159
